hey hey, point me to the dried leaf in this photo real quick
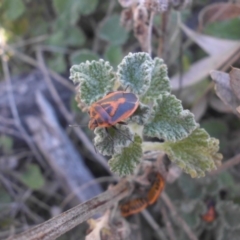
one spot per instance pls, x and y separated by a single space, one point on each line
235 81
126 3
223 89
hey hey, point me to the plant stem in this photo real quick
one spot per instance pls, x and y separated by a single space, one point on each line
64 222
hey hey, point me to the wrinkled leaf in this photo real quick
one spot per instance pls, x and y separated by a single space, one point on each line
235 81
169 121
83 56
159 82
230 214
141 115
111 141
113 32
96 79
125 162
33 177
195 154
223 89
135 72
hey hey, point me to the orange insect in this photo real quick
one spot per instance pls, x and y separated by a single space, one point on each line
156 189
211 213
111 109
133 206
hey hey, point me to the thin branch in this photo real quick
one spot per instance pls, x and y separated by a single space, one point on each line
64 222
168 223
226 165
34 63
176 216
9 131
154 225
15 114
66 114
149 37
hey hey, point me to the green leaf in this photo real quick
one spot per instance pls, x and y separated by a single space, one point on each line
82 56
6 144
190 211
96 79
125 162
160 82
141 115
114 55
228 29
113 32
61 6
135 72
169 121
192 189
113 141
33 177
87 7
57 63
195 154
230 214
75 37
13 9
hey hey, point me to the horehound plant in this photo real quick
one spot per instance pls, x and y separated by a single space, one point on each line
159 115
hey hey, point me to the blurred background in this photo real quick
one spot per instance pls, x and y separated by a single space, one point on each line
47 167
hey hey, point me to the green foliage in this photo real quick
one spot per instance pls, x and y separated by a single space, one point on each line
13 9
113 32
57 63
230 214
32 177
195 154
113 141
114 55
159 81
159 114
135 72
96 79
125 162
83 56
6 144
228 29
169 121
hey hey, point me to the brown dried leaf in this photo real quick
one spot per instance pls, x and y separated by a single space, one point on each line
221 52
127 19
224 91
218 12
157 5
218 105
235 81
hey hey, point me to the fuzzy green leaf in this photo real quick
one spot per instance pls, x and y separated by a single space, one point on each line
141 115
33 177
113 141
160 82
96 79
169 121
135 72
125 162
230 214
195 154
